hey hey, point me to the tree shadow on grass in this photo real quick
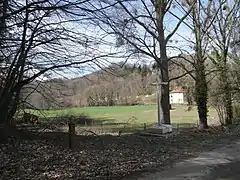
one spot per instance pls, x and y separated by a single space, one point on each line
132 128
81 120
107 128
103 125
62 120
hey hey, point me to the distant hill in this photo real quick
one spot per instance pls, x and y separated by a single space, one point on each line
118 84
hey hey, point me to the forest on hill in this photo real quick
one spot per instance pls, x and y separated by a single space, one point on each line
120 83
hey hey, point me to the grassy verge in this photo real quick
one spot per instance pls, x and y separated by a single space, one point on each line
126 118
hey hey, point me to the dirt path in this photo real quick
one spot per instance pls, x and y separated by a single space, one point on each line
219 164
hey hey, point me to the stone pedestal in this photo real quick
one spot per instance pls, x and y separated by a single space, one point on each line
160 129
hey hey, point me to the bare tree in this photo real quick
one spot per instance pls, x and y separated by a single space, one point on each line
201 21
139 27
39 41
200 47
226 21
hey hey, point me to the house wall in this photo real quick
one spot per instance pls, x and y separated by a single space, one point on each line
176 98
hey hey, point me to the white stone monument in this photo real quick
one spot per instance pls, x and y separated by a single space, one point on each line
160 128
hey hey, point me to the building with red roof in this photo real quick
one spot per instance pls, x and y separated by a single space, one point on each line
177 96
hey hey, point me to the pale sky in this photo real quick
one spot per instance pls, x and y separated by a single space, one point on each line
179 40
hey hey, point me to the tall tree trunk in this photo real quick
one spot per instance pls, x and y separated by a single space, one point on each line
9 107
201 94
163 64
165 103
201 90
4 114
227 97
229 108
3 11
4 111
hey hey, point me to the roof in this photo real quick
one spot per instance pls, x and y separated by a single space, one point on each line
178 90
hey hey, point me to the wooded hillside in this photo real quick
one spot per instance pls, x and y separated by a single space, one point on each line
118 84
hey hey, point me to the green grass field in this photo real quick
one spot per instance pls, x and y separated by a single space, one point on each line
135 116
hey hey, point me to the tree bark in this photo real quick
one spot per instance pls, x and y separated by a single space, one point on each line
165 107
3 11
201 97
163 63
201 90
227 98
9 108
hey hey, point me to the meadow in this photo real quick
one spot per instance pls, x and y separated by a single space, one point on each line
127 118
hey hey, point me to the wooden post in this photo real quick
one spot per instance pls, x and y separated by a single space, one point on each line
71 134
145 126
101 127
